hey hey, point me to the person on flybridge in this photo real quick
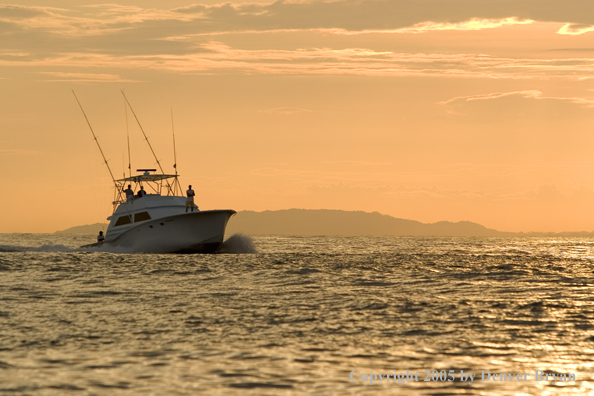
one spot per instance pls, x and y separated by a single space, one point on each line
190 200
129 193
141 192
100 237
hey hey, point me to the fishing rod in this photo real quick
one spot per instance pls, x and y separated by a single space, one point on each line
174 154
128 138
146 139
96 141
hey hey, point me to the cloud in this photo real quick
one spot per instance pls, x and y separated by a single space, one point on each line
545 193
4 53
285 110
217 57
342 16
472 24
358 15
492 171
17 12
121 37
85 77
530 94
572 49
553 193
19 152
448 182
496 95
358 163
575 30
306 176
87 20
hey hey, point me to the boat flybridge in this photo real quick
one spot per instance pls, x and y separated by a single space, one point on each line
156 219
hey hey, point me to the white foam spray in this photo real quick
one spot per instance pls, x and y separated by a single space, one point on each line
238 243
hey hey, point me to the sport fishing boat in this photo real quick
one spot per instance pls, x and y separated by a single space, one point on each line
158 218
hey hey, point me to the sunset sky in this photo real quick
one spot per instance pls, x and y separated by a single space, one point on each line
428 110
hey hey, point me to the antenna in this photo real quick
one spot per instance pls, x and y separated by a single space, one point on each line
96 141
146 139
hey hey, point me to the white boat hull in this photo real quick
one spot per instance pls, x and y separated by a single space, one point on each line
194 232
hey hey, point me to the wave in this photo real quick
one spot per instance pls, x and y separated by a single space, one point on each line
43 248
62 248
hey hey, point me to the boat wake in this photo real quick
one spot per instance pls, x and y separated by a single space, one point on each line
62 248
235 244
238 243
57 248
43 248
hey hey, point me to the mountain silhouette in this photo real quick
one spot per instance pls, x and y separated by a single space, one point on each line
346 223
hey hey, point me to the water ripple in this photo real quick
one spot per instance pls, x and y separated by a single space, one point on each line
296 316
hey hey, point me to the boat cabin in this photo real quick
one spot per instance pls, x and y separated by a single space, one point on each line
162 197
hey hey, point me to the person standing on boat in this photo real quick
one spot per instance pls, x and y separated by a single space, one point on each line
141 192
129 193
100 237
190 200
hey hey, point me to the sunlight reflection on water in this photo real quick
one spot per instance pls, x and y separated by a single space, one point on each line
297 317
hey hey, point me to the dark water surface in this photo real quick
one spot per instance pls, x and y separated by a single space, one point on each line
298 317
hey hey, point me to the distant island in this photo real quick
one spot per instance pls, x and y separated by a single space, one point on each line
85 229
309 222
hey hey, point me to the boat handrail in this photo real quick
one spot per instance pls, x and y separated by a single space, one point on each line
154 181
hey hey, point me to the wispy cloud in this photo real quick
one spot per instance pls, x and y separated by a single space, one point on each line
472 24
85 77
413 16
570 49
112 36
495 95
18 152
216 57
575 30
392 15
86 20
531 94
358 163
285 110
5 53
420 185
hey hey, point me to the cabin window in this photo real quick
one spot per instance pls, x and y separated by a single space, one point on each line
142 216
123 220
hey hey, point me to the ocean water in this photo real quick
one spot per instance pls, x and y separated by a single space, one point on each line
301 316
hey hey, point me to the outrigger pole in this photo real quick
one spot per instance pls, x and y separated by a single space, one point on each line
128 138
147 140
174 154
96 141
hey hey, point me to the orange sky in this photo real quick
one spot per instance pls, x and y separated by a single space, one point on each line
426 110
